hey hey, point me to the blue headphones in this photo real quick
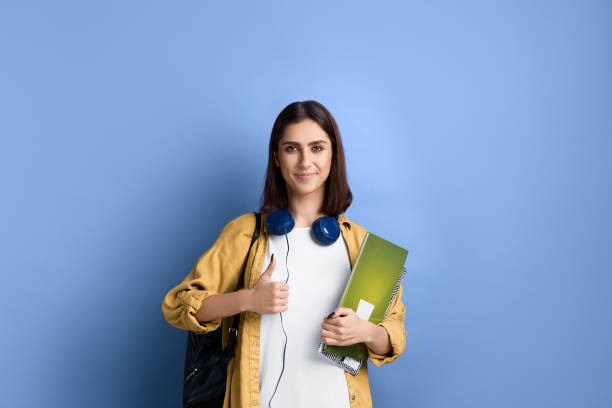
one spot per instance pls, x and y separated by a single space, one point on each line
326 230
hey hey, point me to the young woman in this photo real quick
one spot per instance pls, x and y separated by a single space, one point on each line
294 277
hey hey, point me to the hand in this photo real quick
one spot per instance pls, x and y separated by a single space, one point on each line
267 296
345 328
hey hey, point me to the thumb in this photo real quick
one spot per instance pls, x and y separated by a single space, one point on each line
267 275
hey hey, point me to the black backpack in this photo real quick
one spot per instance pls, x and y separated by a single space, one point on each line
205 362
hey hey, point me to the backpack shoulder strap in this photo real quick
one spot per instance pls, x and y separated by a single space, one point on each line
255 231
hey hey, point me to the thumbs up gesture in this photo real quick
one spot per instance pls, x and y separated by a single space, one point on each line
267 296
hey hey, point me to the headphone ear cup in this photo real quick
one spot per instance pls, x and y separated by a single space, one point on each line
326 230
280 222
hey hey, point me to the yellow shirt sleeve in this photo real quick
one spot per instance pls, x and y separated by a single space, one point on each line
214 272
394 324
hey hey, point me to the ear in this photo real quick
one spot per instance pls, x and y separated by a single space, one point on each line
276 160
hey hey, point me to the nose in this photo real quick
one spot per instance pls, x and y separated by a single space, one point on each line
305 159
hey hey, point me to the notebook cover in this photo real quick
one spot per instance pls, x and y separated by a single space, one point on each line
373 283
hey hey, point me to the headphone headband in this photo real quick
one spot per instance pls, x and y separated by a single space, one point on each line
326 230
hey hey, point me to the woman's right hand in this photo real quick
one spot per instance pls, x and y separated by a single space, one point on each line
267 296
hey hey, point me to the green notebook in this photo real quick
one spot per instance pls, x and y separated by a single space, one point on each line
373 284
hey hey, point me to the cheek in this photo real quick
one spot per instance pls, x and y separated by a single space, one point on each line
326 162
286 164
282 160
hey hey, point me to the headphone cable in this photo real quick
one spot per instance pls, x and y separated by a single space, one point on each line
282 326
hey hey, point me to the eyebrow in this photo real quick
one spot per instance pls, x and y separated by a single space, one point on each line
311 143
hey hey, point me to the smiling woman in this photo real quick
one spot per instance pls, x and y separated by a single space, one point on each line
276 359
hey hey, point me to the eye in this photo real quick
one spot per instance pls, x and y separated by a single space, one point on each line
319 148
289 147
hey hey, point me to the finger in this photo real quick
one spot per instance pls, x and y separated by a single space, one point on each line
344 311
328 334
330 341
280 309
338 321
282 286
331 328
272 263
334 320
268 272
280 302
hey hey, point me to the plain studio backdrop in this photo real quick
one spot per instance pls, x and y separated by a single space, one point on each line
477 135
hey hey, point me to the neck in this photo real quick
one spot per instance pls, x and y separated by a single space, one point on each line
306 208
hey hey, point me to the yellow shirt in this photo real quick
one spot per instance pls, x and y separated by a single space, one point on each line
218 271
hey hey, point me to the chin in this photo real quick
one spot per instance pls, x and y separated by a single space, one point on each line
305 191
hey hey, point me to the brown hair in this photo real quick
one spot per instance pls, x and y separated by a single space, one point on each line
338 196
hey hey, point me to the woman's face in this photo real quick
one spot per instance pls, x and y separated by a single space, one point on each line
304 157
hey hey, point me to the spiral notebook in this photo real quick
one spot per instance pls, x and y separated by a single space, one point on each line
371 288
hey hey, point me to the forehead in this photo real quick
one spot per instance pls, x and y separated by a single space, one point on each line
303 132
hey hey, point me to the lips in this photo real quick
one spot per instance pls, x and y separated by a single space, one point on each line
304 176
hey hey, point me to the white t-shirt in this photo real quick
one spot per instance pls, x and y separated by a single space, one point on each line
317 277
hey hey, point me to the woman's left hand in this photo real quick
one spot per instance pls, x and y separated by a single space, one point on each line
345 328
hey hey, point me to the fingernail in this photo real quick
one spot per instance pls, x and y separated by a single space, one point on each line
271 259
329 316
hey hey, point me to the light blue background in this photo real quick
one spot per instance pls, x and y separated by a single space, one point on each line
477 135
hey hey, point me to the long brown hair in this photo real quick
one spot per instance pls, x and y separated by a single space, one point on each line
338 196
